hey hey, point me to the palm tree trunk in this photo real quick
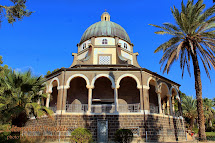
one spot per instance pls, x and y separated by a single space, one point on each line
192 123
198 87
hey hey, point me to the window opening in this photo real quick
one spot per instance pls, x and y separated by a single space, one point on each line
104 41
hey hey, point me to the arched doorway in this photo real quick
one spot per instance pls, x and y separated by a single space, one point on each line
128 96
165 97
175 99
53 96
103 96
153 97
77 96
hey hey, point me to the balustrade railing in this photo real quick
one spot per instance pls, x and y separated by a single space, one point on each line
129 108
78 108
103 108
153 108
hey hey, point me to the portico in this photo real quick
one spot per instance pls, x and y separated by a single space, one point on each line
111 93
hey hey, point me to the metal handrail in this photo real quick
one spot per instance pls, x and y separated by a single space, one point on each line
153 108
129 108
78 108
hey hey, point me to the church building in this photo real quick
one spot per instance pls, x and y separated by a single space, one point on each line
105 89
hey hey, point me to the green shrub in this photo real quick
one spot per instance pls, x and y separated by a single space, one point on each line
196 130
210 136
81 135
210 129
123 136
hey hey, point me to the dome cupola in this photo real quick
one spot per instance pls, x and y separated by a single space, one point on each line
105 43
105 28
105 16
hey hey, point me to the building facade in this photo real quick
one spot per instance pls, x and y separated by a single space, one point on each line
105 89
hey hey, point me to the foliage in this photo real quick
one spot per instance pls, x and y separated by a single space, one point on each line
193 33
15 12
195 129
49 72
189 109
3 71
20 96
192 39
123 136
210 129
210 133
210 136
81 135
213 102
208 111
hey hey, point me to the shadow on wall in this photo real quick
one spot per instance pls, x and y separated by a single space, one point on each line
153 129
158 129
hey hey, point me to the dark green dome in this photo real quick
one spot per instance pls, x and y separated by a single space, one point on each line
105 28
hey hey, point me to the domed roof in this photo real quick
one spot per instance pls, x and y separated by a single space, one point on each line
105 28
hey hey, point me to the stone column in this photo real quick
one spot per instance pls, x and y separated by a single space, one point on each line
159 101
167 102
146 100
64 98
116 99
170 105
61 99
47 100
164 107
173 105
90 89
141 100
179 107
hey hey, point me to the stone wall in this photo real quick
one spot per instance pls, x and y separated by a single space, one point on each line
158 127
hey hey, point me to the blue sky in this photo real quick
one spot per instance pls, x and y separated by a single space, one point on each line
46 40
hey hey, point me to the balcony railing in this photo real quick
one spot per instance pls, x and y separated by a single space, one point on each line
78 108
103 108
129 108
153 108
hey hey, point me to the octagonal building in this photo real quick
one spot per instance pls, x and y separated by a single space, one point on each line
105 89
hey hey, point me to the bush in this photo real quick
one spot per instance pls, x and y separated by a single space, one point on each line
81 135
123 136
195 129
210 129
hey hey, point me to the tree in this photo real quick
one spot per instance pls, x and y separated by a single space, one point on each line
209 111
213 102
50 72
15 12
192 39
3 71
19 100
189 109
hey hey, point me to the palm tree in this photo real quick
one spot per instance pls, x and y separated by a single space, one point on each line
209 111
189 109
192 39
20 97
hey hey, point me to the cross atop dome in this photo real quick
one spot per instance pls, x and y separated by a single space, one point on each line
105 16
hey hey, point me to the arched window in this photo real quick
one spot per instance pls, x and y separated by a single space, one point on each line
125 45
84 46
104 41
